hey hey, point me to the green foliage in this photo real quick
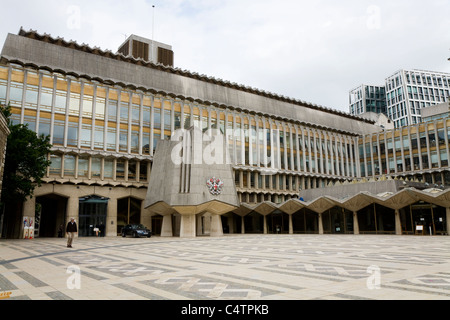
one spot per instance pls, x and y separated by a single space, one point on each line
25 162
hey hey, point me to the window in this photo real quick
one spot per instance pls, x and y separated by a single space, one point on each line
96 166
55 165
72 134
69 165
58 132
108 169
83 166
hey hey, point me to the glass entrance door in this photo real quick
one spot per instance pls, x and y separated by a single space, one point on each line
93 211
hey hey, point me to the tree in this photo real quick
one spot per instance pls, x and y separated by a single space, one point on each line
26 164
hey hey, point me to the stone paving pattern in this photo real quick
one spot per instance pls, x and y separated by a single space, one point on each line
236 267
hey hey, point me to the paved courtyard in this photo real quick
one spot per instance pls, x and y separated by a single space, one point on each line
237 267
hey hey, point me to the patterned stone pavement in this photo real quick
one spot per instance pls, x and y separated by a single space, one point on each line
234 267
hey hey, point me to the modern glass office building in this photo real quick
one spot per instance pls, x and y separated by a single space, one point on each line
106 112
367 98
403 96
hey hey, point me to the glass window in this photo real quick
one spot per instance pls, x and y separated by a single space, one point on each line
83 166
31 97
444 158
156 138
111 138
100 105
135 114
44 126
55 165
99 137
88 104
60 101
108 169
146 143
30 121
157 119
69 165
86 133
146 116
135 141
15 94
3 86
72 134
74 104
143 171
434 159
124 110
120 169
112 110
96 165
123 140
132 170
58 132
46 99
167 119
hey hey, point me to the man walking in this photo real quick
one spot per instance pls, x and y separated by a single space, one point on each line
71 230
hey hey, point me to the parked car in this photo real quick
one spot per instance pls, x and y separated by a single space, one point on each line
136 230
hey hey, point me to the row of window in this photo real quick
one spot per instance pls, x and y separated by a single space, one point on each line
425 147
96 168
81 114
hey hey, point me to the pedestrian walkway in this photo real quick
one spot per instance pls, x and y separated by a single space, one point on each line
237 267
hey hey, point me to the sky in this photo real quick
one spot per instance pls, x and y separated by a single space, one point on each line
315 51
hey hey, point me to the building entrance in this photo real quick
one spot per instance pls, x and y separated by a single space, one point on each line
92 214
428 219
50 216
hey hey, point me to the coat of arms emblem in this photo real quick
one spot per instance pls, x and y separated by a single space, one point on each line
215 186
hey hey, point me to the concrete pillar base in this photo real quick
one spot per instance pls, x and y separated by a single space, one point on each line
355 223
216 226
448 221
398 223
166 228
320 224
187 226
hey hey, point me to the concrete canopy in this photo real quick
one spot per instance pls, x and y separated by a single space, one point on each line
291 206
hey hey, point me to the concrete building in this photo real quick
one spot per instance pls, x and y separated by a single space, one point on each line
108 114
439 111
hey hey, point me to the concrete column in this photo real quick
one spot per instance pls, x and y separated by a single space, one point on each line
216 226
243 225
448 221
187 226
398 223
355 223
265 224
320 224
166 228
291 226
